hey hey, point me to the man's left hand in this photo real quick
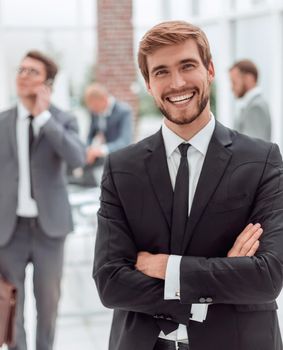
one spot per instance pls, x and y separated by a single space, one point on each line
152 265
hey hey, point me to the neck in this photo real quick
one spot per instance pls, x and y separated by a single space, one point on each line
28 102
187 131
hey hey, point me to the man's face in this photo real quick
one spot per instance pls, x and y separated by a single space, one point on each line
96 104
238 82
179 82
31 75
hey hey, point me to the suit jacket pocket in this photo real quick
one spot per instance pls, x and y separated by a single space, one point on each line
257 307
229 204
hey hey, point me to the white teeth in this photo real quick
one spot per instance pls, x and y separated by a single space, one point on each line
180 98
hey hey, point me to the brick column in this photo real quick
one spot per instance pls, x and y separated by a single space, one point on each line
115 62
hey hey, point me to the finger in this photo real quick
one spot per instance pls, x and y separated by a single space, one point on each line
248 231
143 253
245 236
253 249
250 242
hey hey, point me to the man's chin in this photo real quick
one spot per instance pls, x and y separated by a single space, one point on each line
181 119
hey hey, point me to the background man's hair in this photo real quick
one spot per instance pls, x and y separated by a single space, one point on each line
171 33
96 90
246 67
50 66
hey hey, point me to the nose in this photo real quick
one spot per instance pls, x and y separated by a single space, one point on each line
177 80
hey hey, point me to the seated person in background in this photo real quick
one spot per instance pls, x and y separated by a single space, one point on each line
111 123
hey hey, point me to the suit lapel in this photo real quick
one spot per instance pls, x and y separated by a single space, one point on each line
216 161
157 168
13 131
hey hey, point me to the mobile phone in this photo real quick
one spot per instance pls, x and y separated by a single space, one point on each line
49 82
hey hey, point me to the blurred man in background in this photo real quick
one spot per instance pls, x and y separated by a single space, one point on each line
37 139
110 130
111 123
254 117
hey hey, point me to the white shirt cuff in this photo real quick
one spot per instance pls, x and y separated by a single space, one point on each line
40 120
198 312
172 278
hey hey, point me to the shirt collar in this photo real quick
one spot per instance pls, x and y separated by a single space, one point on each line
200 141
23 113
249 95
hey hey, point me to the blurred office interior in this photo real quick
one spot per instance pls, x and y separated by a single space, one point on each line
68 31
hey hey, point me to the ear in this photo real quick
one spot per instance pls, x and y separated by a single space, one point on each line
148 87
211 72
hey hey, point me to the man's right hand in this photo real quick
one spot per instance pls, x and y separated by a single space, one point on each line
247 242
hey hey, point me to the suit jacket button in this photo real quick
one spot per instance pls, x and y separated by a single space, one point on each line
202 300
209 300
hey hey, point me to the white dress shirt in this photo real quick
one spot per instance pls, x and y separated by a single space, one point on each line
196 155
27 206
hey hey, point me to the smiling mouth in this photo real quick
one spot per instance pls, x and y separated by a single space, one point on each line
180 99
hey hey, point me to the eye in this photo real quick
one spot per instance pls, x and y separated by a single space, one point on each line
187 66
161 72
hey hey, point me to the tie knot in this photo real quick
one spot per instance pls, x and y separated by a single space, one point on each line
30 117
183 148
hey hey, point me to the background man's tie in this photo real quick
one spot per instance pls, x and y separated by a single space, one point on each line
31 139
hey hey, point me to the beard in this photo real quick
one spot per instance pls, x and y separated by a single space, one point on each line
187 118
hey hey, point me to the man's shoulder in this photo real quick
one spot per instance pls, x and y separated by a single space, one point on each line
7 113
59 114
257 102
135 152
122 107
248 147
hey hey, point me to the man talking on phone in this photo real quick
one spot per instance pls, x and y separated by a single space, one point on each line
37 141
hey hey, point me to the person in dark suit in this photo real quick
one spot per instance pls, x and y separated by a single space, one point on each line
111 123
190 227
254 116
37 140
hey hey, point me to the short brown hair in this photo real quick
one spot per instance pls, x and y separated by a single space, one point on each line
171 33
50 66
246 67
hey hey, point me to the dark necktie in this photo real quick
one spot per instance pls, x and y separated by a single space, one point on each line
179 218
31 139
180 202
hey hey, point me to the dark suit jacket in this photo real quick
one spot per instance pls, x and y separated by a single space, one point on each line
241 182
57 144
118 131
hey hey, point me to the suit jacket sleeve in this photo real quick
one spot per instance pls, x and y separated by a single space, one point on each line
245 280
119 284
64 139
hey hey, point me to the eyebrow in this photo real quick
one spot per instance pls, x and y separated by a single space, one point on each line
162 66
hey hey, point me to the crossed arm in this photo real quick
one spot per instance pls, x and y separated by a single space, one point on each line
246 244
119 267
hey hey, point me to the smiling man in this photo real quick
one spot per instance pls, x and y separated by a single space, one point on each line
189 246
